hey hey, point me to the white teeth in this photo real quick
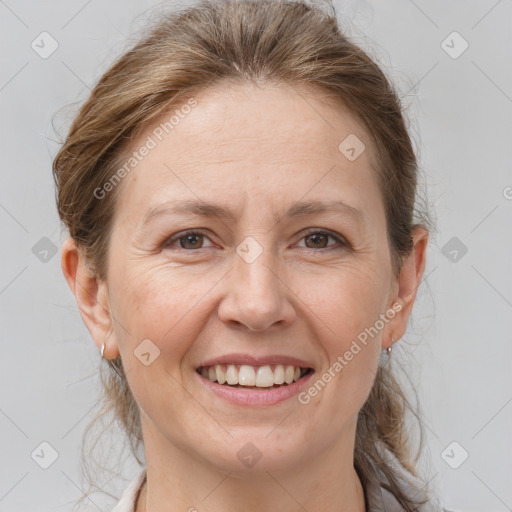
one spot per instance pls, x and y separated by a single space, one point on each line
219 373
232 375
288 374
279 374
265 377
246 375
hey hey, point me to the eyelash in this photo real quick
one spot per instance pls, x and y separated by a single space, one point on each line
342 243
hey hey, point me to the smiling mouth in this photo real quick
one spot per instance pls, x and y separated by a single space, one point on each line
253 377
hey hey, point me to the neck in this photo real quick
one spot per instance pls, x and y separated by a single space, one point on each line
351 503
327 483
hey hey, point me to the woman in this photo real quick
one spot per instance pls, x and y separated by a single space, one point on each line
239 190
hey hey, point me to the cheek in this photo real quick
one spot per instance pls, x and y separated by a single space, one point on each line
161 306
346 300
346 305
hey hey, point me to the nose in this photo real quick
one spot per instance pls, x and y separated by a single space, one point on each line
257 296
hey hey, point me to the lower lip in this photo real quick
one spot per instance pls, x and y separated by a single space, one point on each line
254 397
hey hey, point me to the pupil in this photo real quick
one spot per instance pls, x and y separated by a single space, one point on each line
187 238
316 236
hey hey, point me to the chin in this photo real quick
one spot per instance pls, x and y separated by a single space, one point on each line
253 453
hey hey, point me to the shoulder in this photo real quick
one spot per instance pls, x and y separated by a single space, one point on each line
127 501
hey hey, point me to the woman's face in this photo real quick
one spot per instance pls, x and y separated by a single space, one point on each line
263 276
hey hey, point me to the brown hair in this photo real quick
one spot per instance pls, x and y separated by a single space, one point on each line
288 42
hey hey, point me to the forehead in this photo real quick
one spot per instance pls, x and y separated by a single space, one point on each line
286 117
273 140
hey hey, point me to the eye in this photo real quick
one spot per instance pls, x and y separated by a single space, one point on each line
319 239
187 240
190 240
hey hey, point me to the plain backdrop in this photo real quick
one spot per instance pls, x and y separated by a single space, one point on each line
450 62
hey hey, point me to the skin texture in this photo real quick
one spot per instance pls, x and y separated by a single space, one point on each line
258 151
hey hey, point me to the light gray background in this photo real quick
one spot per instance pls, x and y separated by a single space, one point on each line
460 113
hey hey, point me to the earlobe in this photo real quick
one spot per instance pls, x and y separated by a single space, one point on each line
409 280
91 297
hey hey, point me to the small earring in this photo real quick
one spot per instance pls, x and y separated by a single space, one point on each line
102 349
388 350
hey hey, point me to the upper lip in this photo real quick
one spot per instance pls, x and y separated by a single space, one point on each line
256 360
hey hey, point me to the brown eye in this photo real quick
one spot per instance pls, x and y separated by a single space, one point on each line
189 240
320 239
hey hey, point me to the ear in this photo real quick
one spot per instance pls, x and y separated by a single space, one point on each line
91 297
408 283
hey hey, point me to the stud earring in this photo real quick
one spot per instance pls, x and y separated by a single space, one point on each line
388 350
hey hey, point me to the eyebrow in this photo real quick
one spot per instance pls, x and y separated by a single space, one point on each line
215 210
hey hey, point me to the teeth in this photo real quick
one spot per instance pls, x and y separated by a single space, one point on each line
288 374
279 374
246 376
232 375
264 377
221 376
259 376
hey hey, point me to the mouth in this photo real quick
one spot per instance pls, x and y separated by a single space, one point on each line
259 378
